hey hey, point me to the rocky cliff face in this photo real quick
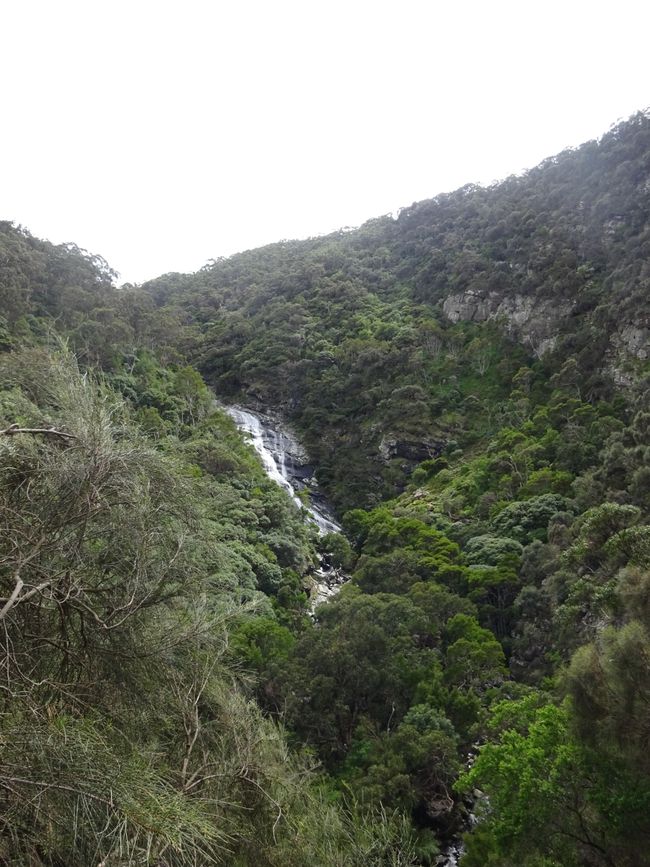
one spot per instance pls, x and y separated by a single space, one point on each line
537 322
533 321
634 340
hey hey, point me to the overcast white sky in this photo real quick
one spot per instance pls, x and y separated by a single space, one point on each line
162 134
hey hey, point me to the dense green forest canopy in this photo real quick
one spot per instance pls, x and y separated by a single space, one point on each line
470 379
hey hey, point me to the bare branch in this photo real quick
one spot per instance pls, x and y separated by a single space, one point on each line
14 429
9 604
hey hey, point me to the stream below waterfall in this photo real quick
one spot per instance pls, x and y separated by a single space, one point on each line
287 463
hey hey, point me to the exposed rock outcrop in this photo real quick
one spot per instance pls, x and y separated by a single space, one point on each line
634 339
413 451
533 321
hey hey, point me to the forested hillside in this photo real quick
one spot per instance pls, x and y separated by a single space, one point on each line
408 332
139 533
470 379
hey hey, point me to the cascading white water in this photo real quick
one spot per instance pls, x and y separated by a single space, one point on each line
251 424
273 446
285 462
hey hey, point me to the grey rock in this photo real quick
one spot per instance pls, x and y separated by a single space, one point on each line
410 450
635 339
532 320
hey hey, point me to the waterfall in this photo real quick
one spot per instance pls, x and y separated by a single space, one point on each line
251 424
286 462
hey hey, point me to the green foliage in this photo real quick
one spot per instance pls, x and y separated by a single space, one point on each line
413 767
495 473
550 797
529 519
338 550
119 698
491 550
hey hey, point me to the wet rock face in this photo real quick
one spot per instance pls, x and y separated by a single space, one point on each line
286 449
328 581
286 462
533 321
